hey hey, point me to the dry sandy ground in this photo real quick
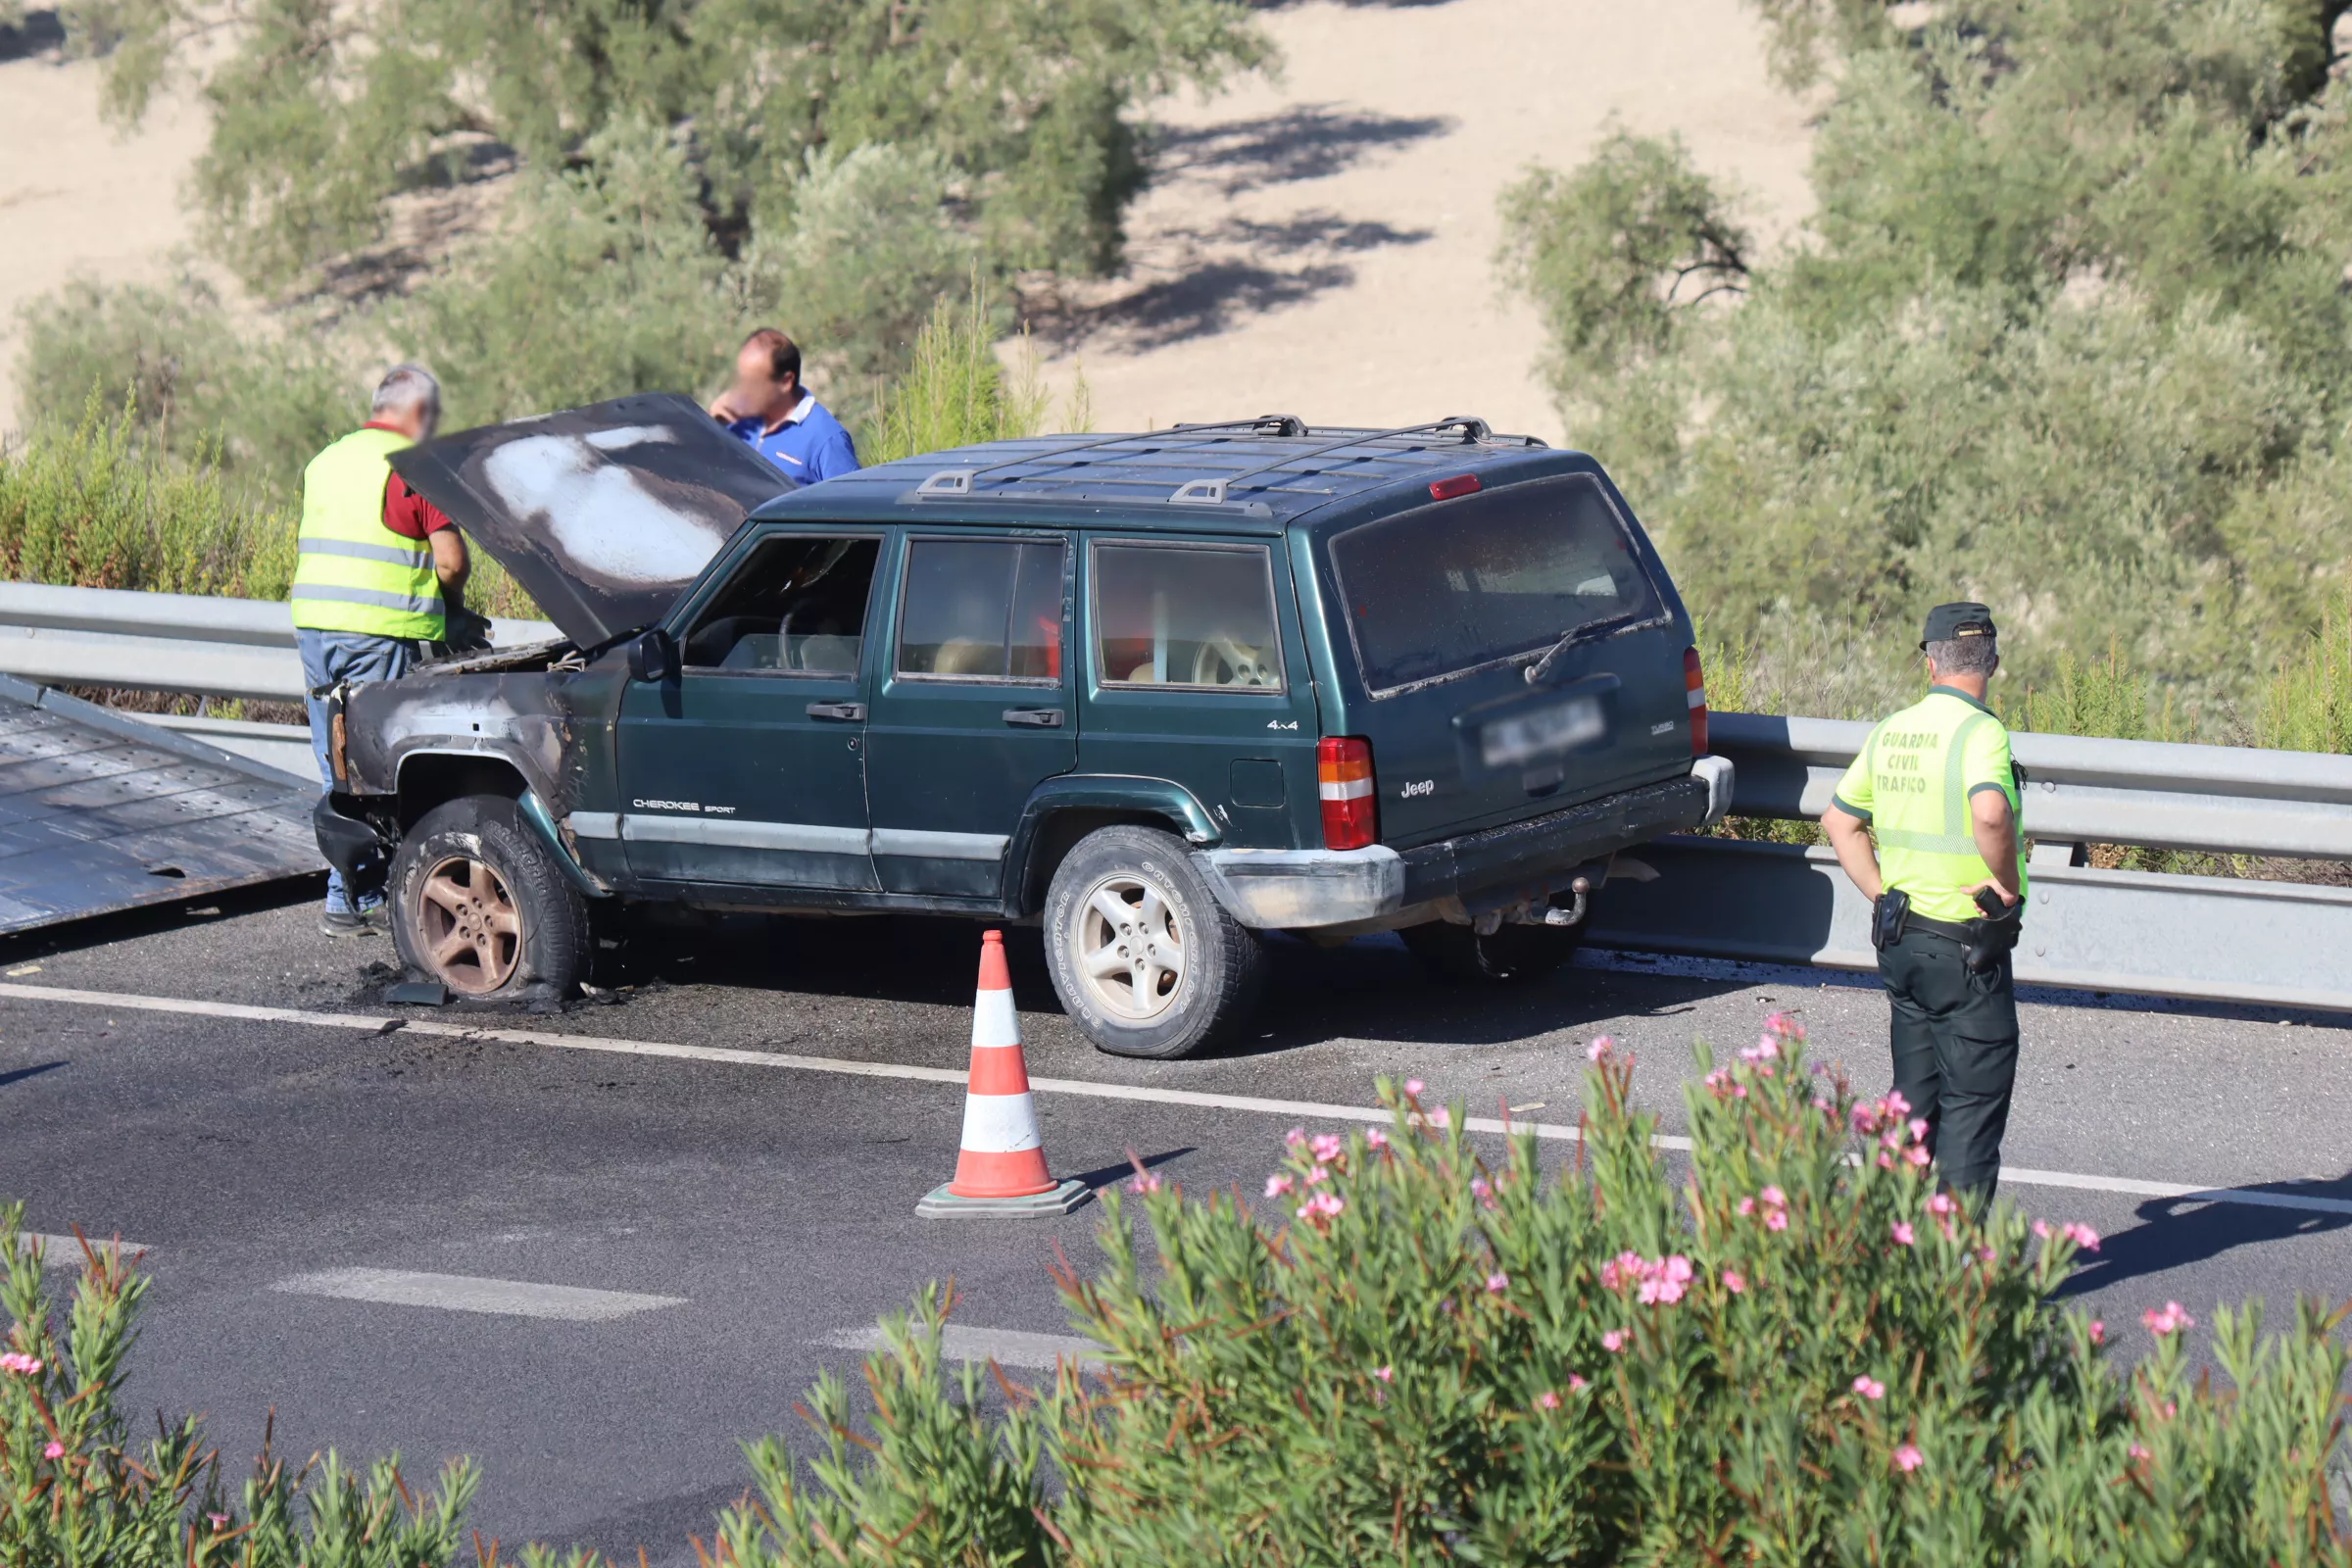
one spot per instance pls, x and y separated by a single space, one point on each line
1321 245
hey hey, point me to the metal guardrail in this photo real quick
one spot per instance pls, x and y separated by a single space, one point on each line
2213 938
190 644
2228 800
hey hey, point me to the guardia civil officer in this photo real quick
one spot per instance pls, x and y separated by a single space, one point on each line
1935 787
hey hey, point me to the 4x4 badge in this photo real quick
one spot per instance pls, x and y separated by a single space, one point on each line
1276 723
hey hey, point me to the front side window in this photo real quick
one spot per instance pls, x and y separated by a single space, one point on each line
1448 588
796 605
982 609
1185 616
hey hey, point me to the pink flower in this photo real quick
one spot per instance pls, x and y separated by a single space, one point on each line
1776 1221
1385 1374
1942 1205
1323 1205
1917 1154
1613 1340
1376 1139
1316 1175
2082 1236
1886 1160
1735 1282
1869 1388
1414 1086
55 1451
1919 1129
1279 1184
1748 1206
1548 1399
1599 1049
2042 1228
2098 1332
1295 1138
1904 1236
1895 1104
2138 1452
219 1521
1773 1198
1439 1116
1577 1385
1483 1189
2170 1319
1498 1283
1908 1458
1327 1147
1147 1182
23 1365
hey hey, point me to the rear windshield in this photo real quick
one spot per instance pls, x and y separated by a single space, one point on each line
1444 589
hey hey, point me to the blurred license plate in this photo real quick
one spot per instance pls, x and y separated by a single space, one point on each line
1544 732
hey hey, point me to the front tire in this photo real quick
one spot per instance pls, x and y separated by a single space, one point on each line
1145 958
479 906
1510 953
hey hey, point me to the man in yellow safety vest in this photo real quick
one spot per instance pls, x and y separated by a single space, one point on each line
1936 786
375 569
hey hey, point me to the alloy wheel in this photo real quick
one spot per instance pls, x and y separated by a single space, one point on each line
1128 947
471 930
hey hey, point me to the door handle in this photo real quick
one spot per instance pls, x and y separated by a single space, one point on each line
1034 717
849 712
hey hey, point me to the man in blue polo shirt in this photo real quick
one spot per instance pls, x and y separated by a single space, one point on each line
769 410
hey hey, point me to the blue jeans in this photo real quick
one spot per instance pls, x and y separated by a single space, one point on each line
329 657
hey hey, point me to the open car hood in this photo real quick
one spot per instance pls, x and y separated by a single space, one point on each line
605 514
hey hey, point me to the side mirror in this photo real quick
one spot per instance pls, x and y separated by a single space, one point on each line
653 658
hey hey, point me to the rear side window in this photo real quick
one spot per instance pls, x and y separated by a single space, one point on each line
1196 615
981 609
795 607
1444 589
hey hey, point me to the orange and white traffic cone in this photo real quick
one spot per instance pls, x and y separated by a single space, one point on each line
1001 1167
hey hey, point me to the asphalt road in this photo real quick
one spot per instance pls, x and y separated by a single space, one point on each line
329 1209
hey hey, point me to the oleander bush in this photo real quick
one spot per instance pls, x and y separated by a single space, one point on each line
1792 1349
1785 1356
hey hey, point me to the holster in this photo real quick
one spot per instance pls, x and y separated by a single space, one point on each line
1887 919
1995 933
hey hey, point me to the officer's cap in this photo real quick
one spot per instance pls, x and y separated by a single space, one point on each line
1965 619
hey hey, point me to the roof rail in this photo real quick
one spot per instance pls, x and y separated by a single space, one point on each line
1213 492
963 482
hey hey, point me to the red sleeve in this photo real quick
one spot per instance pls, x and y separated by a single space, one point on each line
409 515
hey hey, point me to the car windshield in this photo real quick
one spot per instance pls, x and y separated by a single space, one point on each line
1446 588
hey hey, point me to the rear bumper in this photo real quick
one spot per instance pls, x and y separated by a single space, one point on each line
1291 889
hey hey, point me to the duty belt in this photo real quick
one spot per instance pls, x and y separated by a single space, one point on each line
1957 930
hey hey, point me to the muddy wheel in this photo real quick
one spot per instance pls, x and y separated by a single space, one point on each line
1509 953
480 905
1145 958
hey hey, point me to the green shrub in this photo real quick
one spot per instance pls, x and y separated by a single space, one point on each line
1794 1357
94 505
76 1492
956 391
2307 706
1797 1351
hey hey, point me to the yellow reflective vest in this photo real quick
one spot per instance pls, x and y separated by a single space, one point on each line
353 574
1913 782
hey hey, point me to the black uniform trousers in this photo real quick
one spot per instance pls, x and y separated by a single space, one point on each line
1954 1036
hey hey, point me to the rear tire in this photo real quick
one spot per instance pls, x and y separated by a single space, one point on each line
1511 953
1145 958
478 904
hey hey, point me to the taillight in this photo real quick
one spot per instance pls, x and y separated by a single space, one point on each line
1344 778
1694 692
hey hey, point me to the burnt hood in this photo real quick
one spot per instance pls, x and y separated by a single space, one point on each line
606 513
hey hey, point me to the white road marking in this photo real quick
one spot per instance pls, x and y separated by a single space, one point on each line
64 1252
462 1292
1302 1110
1005 1347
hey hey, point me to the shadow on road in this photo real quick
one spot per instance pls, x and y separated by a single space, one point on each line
2176 1232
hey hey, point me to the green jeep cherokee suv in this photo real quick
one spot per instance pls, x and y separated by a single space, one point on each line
1159 693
